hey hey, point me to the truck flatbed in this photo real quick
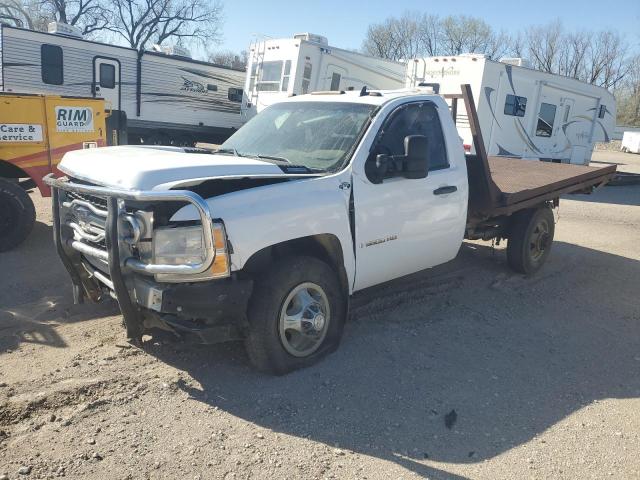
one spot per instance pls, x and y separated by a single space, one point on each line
501 186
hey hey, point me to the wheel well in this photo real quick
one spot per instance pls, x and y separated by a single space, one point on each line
325 247
9 170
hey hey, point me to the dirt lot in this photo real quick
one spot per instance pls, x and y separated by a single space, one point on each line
543 374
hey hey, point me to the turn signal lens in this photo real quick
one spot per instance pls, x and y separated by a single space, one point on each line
220 266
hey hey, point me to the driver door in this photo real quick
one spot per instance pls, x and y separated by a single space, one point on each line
406 225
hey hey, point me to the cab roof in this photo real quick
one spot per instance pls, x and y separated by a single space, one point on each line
369 97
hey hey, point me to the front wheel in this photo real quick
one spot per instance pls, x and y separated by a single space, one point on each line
296 315
530 239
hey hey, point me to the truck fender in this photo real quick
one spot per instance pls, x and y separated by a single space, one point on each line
325 247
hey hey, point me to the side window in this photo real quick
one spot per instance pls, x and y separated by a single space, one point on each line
107 76
413 119
285 76
51 64
603 110
270 76
515 106
335 82
235 95
546 117
306 78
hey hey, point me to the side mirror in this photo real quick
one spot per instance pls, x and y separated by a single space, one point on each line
416 153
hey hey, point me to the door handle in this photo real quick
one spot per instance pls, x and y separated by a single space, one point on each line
445 190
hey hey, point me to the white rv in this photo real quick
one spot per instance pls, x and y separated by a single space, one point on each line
523 112
280 68
167 99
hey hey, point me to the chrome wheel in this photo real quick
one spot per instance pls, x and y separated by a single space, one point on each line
540 239
304 319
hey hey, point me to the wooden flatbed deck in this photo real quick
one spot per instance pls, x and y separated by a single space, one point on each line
520 180
501 185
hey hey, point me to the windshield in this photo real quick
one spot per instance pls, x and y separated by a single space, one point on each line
316 135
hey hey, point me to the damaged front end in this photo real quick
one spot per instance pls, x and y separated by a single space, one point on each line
175 277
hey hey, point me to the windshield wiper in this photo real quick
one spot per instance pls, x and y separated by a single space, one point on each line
232 151
272 157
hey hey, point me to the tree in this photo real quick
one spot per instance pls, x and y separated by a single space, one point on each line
231 59
88 15
415 34
21 14
599 58
628 95
143 22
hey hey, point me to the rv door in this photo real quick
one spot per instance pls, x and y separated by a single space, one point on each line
547 123
106 83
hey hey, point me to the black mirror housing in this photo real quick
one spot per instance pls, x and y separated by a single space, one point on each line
416 153
381 168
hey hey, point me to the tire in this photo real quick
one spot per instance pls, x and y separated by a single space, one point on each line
530 239
279 293
17 215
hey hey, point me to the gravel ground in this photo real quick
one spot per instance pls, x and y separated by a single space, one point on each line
463 371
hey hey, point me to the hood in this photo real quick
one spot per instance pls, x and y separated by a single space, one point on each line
149 168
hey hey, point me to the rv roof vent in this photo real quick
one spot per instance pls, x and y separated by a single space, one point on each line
176 51
64 29
312 37
518 62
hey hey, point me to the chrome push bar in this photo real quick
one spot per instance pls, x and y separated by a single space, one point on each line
139 195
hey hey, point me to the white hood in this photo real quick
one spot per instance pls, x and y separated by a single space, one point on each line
149 168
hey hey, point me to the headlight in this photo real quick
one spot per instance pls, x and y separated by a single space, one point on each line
184 246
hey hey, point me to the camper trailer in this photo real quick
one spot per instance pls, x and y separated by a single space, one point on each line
279 68
523 112
166 97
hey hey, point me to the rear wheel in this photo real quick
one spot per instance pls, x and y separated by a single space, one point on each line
17 215
296 315
530 239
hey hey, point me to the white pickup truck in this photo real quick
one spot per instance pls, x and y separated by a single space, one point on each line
315 198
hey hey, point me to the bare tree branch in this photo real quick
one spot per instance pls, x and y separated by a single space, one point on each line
142 22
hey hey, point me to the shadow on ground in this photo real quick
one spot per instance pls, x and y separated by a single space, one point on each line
616 195
36 295
511 355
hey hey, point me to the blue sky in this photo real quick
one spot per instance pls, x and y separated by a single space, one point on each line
345 23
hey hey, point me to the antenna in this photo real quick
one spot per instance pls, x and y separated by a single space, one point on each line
364 92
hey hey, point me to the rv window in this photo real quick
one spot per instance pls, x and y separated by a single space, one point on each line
235 95
306 78
107 75
546 118
270 78
51 64
603 110
335 82
414 119
285 76
515 106
211 87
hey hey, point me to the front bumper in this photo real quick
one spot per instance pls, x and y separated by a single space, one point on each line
103 257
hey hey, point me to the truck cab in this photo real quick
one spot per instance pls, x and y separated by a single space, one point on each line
315 198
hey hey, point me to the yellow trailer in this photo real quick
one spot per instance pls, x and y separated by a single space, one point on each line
35 132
